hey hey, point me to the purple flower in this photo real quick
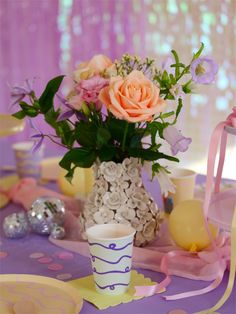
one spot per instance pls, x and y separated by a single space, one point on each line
89 90
67 111
19 92
38 141
203 70
177 141
38 137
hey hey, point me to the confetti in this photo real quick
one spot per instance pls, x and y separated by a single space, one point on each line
3 254
45 260
64 276
36 255
65 255
177 311
55 266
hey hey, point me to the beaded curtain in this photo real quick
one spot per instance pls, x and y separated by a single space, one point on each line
45 37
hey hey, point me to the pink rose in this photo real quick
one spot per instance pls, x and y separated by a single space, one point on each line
133 98
88 91
95 66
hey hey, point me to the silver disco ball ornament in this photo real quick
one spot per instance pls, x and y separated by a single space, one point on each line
58 232
16 226
45 213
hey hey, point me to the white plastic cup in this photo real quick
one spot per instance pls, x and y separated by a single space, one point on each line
28 163
111 247
184 181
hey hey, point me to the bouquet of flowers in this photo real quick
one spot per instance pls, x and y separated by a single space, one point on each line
117 110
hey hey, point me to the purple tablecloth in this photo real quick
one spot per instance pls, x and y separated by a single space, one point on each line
18 261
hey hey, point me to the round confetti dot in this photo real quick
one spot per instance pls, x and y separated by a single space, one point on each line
177 311
45 260
3 254
36 255
64 276
65 255
55 266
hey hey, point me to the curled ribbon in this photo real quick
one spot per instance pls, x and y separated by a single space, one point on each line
232 271
218 133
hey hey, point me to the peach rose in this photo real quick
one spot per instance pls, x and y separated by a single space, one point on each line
133 98
97 64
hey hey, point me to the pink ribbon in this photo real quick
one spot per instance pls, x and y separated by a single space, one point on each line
209 256
218 134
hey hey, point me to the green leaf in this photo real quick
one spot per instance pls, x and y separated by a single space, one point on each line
198 53
167 114
19 115
165 76
187 87
70 174
79 157
103 136
62 128
86 134
180 105
117 127
155 127
172 79
148 154
177 62
46 99
179 65
155 168
107 153
28 110
135 141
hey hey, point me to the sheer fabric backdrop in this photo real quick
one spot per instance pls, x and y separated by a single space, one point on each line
43 38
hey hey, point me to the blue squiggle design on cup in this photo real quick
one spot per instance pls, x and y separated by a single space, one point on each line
112 286
109 262
127 270
111 246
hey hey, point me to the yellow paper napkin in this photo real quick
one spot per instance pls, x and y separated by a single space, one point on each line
88 292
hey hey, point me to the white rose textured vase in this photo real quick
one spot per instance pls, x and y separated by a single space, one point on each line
119 196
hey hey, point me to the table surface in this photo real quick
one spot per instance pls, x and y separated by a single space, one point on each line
18 261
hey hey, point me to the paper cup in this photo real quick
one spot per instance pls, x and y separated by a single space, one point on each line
111 248
27 162
184 181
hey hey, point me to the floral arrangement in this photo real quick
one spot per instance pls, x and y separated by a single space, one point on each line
114 107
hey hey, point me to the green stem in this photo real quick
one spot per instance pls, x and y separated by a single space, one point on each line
124 137
177 62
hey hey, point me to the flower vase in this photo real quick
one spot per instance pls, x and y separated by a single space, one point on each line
119 196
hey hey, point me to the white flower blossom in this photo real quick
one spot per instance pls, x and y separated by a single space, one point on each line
114 200
121 184
98 200
154 208
119 197
127 213
111 171
136 224
104 215
146 216
149 229
165 182
139 239
120 219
